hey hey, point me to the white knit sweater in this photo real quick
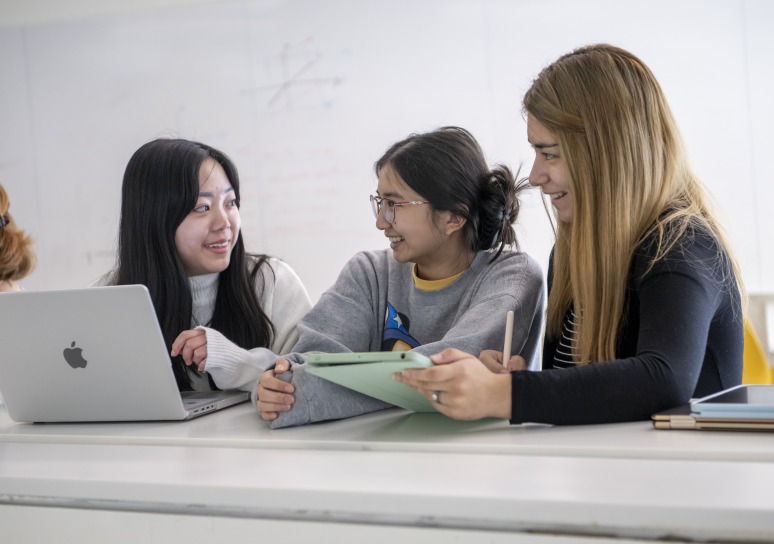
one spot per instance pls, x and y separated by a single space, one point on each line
283 299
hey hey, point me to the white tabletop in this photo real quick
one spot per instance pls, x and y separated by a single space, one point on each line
397 430
394 469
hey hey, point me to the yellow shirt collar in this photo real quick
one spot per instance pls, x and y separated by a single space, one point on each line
433 285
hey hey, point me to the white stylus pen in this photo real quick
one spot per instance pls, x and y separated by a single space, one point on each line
508 338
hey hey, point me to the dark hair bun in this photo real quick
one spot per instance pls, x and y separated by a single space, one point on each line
499 206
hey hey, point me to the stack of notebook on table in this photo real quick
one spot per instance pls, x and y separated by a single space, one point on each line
740 408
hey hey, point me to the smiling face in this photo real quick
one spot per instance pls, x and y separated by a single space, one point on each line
417 235
549 171
205 238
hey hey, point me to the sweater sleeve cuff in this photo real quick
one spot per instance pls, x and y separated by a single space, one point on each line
517 413
232 367
317 399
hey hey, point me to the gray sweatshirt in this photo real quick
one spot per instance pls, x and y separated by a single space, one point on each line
375 306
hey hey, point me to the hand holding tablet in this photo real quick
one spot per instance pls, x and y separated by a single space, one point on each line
371 373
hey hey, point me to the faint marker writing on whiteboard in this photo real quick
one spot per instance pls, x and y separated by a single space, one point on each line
299 78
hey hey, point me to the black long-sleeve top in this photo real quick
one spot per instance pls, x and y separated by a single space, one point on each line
680 337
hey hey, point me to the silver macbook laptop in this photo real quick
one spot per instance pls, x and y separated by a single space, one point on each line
92 354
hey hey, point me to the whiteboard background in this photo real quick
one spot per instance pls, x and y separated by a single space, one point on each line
305 95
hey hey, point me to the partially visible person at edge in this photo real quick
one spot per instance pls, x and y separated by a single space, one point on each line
180 236
645 298
447 279
17 258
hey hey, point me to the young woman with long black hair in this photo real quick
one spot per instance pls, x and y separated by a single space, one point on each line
180 236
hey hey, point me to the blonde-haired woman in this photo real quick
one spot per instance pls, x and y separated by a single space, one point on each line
644 306
16 256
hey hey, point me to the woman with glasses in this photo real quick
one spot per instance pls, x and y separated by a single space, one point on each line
644 304
219 307
448 278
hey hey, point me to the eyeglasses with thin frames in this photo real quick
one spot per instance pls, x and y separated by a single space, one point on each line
387 206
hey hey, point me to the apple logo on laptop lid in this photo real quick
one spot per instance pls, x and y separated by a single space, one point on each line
74 356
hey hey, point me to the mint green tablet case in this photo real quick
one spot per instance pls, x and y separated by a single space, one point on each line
371 374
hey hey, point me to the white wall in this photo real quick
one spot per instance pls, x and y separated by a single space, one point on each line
305 95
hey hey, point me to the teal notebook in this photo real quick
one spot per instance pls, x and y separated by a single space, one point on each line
739 408
371 373
742 401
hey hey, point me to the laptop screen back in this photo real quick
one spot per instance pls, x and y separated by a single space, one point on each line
85 355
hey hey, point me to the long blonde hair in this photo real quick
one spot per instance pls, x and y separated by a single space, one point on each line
629 178
16 256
